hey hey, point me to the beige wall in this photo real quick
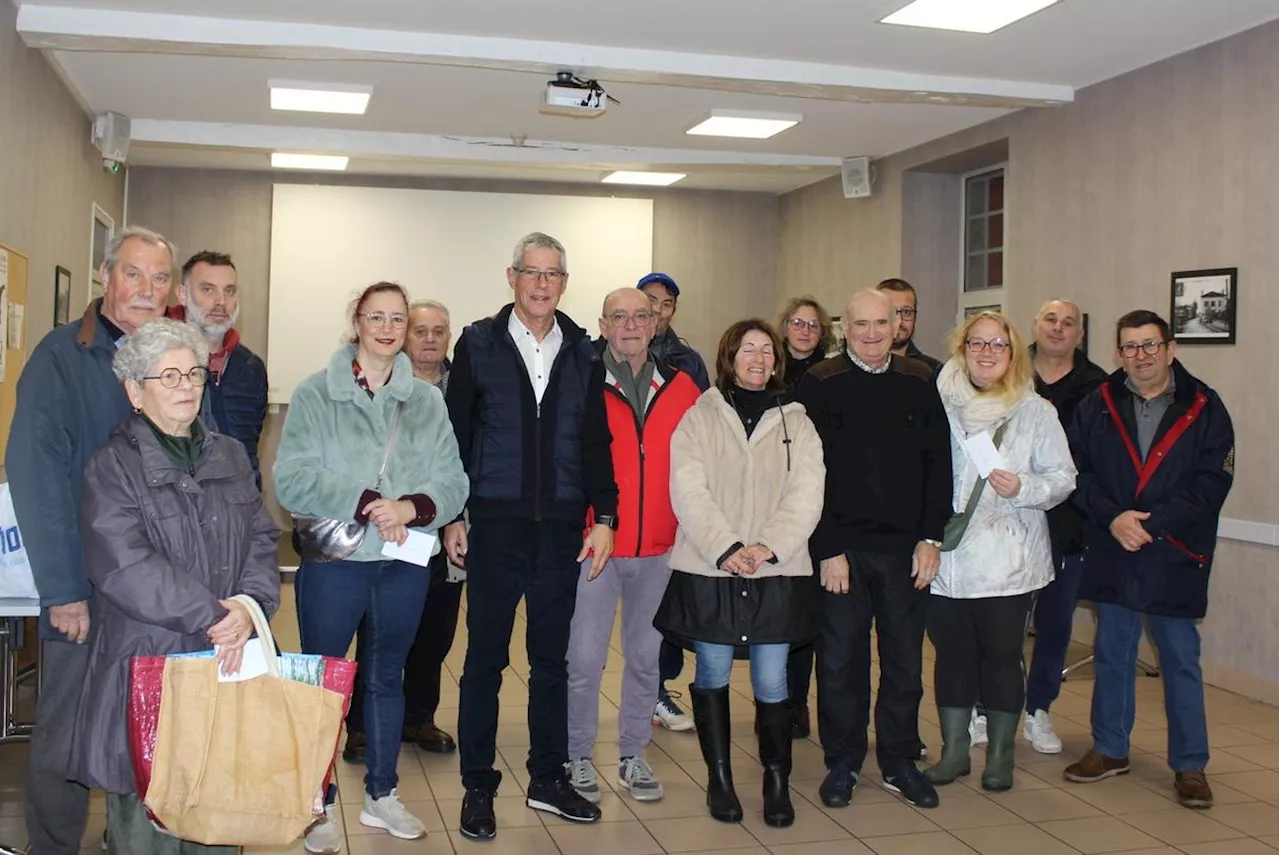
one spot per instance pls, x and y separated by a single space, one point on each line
721 247
50 177
1170 167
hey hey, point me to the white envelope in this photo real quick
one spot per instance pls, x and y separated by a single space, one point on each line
417 549
982 451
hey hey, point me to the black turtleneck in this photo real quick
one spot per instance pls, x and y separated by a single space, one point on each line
796 367
751 404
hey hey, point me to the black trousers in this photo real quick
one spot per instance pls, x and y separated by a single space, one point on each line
880 589
426 657
978 645
799 669
510 559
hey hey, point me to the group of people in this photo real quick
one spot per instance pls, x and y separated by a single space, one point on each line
774 515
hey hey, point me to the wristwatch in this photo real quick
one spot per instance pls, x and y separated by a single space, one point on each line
607 519
937 544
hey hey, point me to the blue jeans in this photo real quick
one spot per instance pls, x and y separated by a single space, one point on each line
714 662
1055 607
333 597
1115 651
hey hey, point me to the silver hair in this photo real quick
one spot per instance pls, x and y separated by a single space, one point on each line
112 254
431 304
538 240
142 349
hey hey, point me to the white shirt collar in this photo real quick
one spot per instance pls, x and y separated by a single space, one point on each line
867 368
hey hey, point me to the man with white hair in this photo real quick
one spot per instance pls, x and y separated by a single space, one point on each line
235 398
68 401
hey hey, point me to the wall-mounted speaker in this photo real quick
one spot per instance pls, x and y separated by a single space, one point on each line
855 177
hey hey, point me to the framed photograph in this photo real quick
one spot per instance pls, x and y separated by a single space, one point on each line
837 337
1202 306
1083 344
61 295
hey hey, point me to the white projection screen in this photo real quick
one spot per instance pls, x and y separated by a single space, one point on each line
328 243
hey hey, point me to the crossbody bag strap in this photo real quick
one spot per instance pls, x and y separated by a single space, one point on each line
391 441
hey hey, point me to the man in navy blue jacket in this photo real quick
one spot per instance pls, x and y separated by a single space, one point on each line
1156 455
526 398
68 401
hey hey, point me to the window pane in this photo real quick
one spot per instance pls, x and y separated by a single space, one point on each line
995 269
995 231
977 234
975 192
995 192
975 274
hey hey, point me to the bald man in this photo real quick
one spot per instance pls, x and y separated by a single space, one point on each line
888 496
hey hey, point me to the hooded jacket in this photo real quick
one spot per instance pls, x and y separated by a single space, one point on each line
667 348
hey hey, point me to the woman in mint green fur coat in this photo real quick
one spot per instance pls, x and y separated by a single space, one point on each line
335 437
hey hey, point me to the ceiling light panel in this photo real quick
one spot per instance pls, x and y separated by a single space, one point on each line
287 160
650 179
966 16
744 124
319 97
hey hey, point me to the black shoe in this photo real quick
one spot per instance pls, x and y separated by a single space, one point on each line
905 780
837 788
558 796
800 721
478 821
711 714
429 738
354 750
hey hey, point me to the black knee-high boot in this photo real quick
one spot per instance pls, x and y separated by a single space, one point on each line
711 718
773 726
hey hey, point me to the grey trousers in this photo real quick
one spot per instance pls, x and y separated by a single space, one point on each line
130 832
640 583
56 808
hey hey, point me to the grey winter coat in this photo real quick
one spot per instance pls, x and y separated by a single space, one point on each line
161 549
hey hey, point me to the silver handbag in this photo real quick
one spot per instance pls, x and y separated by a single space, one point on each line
326 539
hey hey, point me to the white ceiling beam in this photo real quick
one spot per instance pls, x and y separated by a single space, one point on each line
109 30
375 144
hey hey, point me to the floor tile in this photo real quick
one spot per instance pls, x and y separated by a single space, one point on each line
1013 840
1098 834
968 810
699 834
931 842
848 846
811 826
1253 818
1180 825
1229 847
615 838
1044 805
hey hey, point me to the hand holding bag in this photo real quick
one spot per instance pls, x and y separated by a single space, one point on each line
328 539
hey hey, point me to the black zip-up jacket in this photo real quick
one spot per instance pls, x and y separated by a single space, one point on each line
526 461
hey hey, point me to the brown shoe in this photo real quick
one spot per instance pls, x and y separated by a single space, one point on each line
1094 767
430 738
1193 790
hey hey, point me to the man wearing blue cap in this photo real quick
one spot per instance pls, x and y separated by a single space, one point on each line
667 348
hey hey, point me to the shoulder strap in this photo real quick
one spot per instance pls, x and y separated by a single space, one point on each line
391 441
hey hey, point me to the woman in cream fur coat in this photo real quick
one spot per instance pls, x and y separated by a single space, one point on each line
747 485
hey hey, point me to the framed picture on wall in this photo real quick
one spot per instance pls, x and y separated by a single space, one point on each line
1202 306
1083 344
837 337
61 295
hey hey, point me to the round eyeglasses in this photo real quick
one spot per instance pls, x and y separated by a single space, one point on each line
977 345
171 378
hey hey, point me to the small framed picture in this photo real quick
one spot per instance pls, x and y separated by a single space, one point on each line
1083 343
837 337
1202 306
61 295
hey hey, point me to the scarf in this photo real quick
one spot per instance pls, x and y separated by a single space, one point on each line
634 387
973 411
185 452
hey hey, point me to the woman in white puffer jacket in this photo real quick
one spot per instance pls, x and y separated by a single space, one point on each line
991 572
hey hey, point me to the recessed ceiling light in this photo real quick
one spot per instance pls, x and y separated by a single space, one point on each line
746 124
285 160
967 16
319 97
651 179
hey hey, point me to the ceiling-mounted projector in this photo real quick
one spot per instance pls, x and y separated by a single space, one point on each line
579 99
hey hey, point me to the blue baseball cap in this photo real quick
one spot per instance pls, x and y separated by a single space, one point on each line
663 279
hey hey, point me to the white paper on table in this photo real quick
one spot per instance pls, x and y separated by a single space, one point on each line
982 451
417 549
252 664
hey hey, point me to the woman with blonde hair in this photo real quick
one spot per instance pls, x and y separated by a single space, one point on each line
996 554
806 328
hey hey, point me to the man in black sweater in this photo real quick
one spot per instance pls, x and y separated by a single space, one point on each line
888 496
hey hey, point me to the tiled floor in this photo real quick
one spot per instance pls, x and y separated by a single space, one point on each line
1042 815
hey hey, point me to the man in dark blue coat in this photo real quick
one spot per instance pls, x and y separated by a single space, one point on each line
1155 451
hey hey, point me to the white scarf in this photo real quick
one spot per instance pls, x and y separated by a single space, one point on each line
973 411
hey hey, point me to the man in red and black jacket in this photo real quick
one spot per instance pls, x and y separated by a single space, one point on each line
1155 451
644 402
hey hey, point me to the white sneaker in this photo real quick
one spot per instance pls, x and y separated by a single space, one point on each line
323 837
583 778
1038 730
636 776
390 814
977 729
669 715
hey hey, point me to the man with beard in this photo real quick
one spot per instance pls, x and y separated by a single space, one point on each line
904 305
235 398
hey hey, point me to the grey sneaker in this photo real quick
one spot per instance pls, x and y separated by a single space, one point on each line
390 814
636 776
583 778
323 837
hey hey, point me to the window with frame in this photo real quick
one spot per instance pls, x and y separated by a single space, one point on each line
982 279
103 228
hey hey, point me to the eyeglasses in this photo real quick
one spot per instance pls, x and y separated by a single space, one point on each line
977 345
620 319
170 378
532 274
378 319
1150 347
799 324
906 312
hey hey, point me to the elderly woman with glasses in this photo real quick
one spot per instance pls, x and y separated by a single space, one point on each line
367 443
173 528
806 326
1011 464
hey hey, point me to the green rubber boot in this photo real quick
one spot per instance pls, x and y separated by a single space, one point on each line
954 762
1002 728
